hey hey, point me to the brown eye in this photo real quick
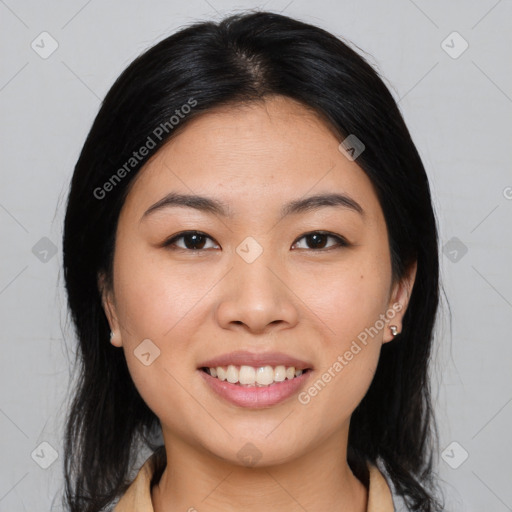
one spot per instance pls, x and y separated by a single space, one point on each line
318 240
192 240
197 241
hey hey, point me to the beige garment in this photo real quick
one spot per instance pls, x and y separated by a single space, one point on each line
137 497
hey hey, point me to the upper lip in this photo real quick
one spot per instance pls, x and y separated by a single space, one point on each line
245 358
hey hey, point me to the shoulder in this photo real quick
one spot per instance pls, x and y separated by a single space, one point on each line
380 498
381 488
137 497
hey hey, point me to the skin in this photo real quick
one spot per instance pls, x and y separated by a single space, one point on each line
307 302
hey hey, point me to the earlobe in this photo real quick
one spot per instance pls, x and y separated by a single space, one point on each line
108 304
114 339
399 302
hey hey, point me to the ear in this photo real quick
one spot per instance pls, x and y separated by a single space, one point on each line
399 300
109 307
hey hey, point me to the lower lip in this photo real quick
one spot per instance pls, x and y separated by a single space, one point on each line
256 397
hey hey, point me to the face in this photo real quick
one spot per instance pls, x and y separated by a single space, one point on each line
259 275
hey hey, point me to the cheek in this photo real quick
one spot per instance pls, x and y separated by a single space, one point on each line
349 300
348 297
155 296
154 305
350 307
337 388
163 324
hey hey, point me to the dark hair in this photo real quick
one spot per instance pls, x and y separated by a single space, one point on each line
245 58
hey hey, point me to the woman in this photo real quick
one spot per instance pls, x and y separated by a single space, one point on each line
250 256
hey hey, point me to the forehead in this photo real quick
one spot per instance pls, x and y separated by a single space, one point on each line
253 154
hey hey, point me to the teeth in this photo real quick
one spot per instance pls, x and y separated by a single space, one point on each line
246 375
251 376
232 374
265 375
280 374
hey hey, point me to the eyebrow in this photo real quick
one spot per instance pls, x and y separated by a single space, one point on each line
216 207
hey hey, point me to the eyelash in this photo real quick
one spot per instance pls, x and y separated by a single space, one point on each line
340 241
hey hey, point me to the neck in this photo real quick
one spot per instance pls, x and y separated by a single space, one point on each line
320 480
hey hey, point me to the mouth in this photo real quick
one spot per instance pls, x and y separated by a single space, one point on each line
254 376
255 380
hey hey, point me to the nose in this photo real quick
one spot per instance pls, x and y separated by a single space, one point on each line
257 297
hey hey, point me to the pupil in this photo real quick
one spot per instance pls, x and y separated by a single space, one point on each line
315 238
194 238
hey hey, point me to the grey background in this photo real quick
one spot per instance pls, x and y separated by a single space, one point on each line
458 110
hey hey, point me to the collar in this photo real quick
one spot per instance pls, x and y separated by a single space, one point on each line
137 497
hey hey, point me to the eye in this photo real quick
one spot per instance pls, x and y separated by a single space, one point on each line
197 241
193 241
318 239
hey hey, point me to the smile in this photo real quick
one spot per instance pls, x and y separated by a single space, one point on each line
255 396
250 376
